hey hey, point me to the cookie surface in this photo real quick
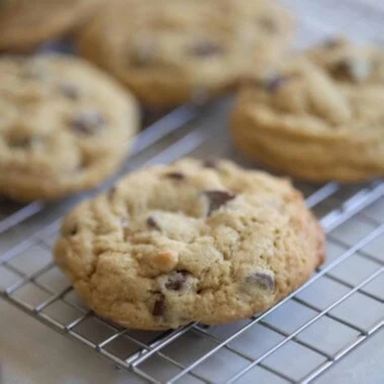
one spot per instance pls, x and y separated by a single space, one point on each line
192 241
64 126
25 23
170 51
320 117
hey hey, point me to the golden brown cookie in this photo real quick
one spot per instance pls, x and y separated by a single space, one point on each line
169 51
192 241
64 126
26 23
320 117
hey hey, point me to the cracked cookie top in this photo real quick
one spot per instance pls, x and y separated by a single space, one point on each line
192 241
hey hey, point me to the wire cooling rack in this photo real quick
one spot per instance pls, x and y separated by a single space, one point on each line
332 314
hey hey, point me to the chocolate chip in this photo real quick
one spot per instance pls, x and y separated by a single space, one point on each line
70 91
206 49
210 163
88 122
151 222
274 83
176 280
263 280
175 175
72 230
268 24
356 69
217 199
159 306
342 68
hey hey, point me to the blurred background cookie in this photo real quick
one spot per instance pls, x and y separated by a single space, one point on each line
24 24
171 51
320 117
64 126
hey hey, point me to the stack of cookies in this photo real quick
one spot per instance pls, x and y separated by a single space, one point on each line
202 241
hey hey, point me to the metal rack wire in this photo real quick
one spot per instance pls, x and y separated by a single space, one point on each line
318 323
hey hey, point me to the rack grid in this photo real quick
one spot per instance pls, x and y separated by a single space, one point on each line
339 308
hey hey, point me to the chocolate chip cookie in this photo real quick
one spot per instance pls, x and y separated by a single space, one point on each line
192 241
319 117
26 23
64 126
169 51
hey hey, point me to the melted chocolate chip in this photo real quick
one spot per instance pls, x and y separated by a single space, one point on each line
342 68
70 91
159 306
152 223
176 280
217 199
73 230
353 69
263 280
210 163
175 175
88 122
206 49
